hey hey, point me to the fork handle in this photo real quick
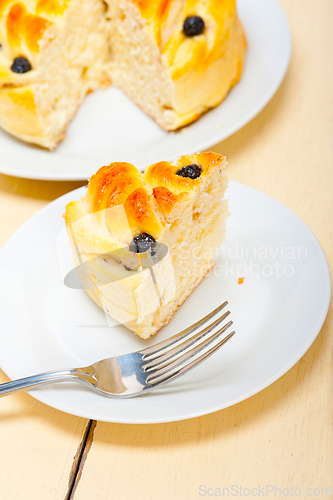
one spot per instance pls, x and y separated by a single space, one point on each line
43 379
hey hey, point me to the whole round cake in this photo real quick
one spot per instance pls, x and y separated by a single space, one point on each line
174 58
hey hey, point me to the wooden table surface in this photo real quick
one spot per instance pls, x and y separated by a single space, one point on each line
281 436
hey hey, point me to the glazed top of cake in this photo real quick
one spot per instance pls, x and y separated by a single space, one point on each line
190 34
149 200
22 26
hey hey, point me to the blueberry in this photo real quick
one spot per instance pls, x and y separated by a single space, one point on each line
21 65
192 171
142 242
193 26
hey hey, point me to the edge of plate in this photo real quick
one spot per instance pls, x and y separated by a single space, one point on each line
239 399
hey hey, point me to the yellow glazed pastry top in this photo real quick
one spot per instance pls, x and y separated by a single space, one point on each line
22 26
165 20
148 199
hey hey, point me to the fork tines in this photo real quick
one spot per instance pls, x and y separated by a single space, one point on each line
187 349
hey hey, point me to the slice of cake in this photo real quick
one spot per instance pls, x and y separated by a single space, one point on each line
143 242
175 59
53 52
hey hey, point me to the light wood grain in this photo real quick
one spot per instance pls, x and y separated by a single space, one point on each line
38 443
282 436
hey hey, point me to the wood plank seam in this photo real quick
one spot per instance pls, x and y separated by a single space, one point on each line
80 459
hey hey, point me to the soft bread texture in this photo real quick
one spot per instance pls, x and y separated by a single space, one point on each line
185 216
76 46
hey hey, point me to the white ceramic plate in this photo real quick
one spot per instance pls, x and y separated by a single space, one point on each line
109 127
278 311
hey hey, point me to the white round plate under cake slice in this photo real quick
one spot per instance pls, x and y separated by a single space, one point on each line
277 311
109 127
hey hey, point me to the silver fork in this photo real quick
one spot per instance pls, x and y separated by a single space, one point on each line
139 372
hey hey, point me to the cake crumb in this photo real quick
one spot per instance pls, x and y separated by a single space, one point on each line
240 281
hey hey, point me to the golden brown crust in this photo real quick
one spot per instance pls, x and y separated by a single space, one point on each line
165 20
164 173
28 29
141 215
18 111
22 28
148 199
202 69
165 199
21 31
112 184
